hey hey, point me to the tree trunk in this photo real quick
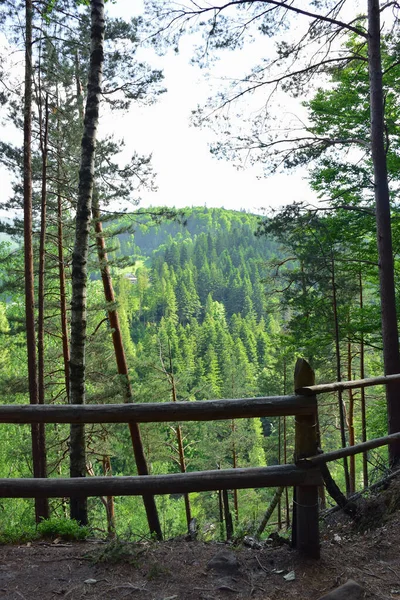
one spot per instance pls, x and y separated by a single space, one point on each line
122 368
350 421
279 462
287 505
80 253
61 265
38 440
42 247
268 513
362 391
228 515
390 337
339 374
61 275
234 464
181 451
110 505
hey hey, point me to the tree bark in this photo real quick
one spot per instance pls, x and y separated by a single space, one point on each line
179 438
279 462
391 357
61 276
80 253
61 265
350 421
38 440
362 391
228 515
122 368
339 374
268 513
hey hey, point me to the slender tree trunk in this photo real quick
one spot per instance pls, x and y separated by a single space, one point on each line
228 516
390 336
350 421
122 367
221 509
269 511
63 297
42 248
279 462
110 505
321 489
287 507
339 374
61 265
181 451
362 391
38 441
44 129
234 464
80 253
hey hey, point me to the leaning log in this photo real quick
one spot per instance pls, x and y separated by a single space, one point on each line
349 451
339 386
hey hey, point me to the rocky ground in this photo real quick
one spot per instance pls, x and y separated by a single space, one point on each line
180 569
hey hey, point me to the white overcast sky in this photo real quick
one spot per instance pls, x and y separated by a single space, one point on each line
187 174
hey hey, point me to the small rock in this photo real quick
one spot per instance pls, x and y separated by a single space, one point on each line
224 561
250 542
276 540
349 591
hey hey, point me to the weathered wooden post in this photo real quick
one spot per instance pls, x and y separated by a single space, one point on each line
305 503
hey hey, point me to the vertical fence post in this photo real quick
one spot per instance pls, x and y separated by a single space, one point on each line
305 503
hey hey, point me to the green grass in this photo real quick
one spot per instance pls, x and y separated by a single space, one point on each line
65 529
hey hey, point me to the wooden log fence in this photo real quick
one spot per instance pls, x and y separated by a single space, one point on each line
304 475
176 483
348 451
340 386
205 410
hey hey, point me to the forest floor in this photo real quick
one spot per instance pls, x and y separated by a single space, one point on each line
179 570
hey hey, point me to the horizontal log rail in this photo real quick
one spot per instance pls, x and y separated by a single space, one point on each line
337 386
348 451
161 412
177 483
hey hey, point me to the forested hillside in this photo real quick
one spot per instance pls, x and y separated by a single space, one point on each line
207 309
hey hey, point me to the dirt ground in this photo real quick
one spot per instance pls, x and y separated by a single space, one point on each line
178 569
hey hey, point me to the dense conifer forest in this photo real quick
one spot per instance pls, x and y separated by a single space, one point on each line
201 317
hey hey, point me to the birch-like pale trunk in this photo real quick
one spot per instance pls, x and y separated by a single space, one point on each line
38 441
390 335
80 253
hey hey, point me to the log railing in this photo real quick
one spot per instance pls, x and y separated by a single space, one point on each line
304 475
304 408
